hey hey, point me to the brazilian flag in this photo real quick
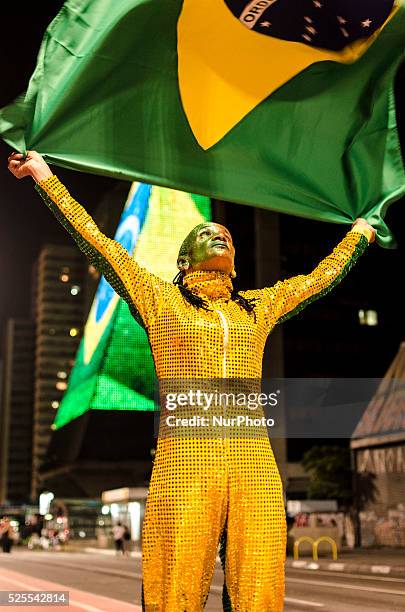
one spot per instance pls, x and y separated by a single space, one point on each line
282 104
114 367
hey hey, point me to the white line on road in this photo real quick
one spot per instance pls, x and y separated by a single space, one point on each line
72 602
99 569
356 576
304 602
351 587
84 606
336 567
380 569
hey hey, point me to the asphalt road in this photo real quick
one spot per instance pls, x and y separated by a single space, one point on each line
119 579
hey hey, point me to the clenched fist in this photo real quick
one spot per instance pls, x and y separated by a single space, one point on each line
32 165
363 223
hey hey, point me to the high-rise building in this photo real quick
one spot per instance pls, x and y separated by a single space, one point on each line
59 317
17 411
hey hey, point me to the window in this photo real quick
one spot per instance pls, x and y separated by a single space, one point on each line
368 317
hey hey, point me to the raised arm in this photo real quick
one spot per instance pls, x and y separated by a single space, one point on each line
288 297
142 290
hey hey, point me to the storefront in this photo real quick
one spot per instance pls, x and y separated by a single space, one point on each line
125 505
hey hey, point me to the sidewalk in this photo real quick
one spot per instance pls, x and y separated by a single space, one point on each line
382 561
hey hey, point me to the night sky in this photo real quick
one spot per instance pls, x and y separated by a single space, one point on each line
26 223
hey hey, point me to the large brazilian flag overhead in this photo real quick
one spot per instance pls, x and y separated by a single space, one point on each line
282 104
114 367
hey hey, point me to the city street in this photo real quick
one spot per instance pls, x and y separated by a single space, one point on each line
99 582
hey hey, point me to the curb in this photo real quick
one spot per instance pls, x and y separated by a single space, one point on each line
350 567
329 566
111 552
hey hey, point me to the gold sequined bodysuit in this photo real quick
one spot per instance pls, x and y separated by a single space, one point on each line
205 489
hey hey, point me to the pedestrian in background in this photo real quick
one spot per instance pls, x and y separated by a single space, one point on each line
118 534
127 540
6 535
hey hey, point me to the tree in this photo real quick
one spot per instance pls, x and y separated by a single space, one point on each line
330 472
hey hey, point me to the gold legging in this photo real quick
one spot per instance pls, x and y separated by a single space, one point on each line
202 489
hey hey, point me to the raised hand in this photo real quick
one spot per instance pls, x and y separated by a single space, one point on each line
32 165
363 223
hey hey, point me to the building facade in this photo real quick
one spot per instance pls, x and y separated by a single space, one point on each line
16 413
378 445
60 275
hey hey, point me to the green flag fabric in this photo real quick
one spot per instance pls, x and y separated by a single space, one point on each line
111 95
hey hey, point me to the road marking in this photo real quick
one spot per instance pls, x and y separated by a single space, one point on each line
299 564
72 602
218 589
336 567
95 569
342 585
358 576
111 553
36 584
84 606
380 569
304 602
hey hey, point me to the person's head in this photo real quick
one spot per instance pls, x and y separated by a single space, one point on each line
208 246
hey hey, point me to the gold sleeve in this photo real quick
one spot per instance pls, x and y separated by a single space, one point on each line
142 290
288 297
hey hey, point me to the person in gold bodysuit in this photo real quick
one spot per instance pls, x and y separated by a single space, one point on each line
204 490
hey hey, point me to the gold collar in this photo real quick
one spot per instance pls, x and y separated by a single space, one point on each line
210 284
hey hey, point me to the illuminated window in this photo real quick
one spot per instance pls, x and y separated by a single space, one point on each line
55 404
75 289
115 511
368 317
64 278
61 386
62 374
74 332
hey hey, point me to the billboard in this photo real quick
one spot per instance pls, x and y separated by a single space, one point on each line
114 368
